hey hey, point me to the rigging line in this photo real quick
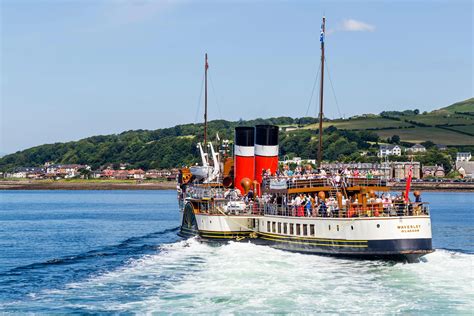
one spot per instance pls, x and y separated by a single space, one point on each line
215 95
332 87
312 91
199 100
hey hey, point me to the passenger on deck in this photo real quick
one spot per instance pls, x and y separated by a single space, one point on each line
308 206
299 205
323 208
293 206
250 195
356 173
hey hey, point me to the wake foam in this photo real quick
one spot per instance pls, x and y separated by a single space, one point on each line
193 277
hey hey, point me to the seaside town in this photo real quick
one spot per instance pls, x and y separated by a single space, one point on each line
463 168
72 171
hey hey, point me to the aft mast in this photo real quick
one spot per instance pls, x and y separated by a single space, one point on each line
320 149
206 66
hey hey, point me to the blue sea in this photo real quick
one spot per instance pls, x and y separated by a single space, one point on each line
118 252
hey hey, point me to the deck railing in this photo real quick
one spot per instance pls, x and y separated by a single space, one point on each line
313 181
221 207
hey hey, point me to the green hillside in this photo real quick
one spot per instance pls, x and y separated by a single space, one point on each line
452 125
161 148
462 106
343 139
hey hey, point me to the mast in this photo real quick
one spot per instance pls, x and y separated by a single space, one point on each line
320 149
206 66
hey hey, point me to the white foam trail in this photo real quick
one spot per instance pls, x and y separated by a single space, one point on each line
192 277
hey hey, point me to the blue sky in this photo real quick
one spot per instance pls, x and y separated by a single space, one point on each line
72 69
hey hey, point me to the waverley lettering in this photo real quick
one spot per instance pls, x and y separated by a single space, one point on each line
409 228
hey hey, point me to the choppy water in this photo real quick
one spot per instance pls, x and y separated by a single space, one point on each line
92 252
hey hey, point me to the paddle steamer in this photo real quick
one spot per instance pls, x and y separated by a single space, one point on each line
249 197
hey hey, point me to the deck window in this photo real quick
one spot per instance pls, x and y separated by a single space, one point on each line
298 229
311 229
279 227
292 229
285 228
273 227
305 230
268 226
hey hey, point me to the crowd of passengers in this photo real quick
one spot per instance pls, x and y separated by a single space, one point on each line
311 205
308 172
338 178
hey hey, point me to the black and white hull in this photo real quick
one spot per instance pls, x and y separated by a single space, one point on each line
391 238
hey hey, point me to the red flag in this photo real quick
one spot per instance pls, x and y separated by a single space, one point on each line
407 188
207 65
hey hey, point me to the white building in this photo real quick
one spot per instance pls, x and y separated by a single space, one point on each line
417 148
298 161
466 156
389 150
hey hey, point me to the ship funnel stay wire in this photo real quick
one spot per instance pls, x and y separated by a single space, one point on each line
332 87
199 100
215 95
314 87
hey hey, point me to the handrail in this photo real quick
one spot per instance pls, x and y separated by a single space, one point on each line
352 210
313 181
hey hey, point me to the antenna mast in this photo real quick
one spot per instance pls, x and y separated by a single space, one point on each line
320 149
205 102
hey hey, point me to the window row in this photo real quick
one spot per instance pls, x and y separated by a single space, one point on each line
291 229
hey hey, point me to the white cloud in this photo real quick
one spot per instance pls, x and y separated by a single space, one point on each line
351 25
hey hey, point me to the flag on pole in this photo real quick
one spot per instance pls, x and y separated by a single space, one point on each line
321 37
407 188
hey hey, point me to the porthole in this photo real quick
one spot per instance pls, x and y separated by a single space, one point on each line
352 227
378 225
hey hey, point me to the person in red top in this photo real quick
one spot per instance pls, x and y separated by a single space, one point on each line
356 173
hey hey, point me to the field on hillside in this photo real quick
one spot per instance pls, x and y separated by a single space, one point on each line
362 123
416 134
434 134
437 119
466 129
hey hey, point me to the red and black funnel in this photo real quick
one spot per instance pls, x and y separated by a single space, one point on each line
244 152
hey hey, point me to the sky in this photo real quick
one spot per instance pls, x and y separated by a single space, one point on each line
70 69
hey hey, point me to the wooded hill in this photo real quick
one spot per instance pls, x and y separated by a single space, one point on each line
343 140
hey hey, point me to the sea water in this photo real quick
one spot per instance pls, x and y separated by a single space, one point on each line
118 252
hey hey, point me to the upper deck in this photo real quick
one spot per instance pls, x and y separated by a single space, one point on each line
312 183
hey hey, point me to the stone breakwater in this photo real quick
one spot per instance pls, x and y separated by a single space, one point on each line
85 185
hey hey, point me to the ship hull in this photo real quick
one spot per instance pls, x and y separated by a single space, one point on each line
399 238
406 250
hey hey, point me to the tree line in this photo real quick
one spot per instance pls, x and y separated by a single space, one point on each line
176 146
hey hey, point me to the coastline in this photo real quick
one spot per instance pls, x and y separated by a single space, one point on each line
171 185
86 185
435 186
